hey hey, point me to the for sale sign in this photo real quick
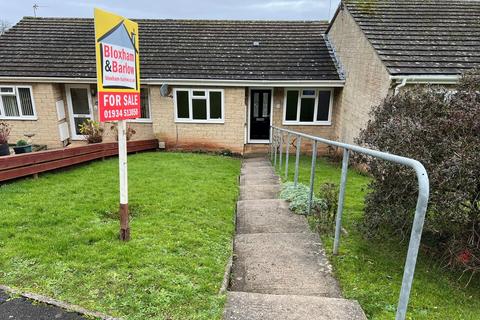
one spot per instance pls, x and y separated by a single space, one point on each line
118 67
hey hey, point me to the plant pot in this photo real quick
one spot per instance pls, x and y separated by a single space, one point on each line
22 149
4 149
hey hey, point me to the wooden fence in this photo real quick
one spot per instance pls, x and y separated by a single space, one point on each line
21 165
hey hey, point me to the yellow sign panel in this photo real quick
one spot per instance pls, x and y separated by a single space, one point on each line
118 67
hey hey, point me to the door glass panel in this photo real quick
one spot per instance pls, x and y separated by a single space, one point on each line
80 101
78 122
265 104
256 97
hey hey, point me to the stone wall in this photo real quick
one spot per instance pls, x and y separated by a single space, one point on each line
367 80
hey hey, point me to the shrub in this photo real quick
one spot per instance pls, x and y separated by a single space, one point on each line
441 129
22 143
130 131
325 218
4 132
92 131
298 198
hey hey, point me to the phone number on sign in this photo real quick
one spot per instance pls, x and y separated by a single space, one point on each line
120 113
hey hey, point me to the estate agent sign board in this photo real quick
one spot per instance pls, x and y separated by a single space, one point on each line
118 67
118 82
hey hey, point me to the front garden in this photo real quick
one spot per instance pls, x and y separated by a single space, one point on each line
370 271
58 236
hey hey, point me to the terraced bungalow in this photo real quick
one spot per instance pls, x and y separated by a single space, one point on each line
212 84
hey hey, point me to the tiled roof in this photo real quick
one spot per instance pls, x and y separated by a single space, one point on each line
421 36
175 49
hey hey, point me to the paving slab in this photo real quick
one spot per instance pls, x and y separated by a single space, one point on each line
254 306
259 179
257 192
282 263
257 170
268 216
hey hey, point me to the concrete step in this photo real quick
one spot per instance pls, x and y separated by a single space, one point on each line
258 179
259 191
268 216
254 306
260 163
256 159
282 263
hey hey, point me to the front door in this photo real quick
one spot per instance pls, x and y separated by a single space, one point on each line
79 101
260 102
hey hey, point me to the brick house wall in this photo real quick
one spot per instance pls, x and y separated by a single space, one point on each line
367 79
200 136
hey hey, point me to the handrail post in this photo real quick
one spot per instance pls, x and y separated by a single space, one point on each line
272 130
341 198
312 175
281 149
297 159
275 151
287 150
415 238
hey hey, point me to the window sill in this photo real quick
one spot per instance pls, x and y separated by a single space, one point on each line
19 118
140 121
325 123
200 121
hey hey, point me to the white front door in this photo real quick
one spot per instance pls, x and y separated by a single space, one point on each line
79 101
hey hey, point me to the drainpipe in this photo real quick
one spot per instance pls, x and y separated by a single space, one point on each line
402 84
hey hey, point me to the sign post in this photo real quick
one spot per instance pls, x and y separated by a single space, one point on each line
118 86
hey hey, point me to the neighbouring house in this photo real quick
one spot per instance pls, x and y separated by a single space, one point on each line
385 45
205 84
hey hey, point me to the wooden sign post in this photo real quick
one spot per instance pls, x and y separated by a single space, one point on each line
118 83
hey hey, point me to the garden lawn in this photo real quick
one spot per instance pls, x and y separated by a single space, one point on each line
371 271
59 235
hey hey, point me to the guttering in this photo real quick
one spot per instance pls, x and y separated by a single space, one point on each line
192 82
424 79
247 83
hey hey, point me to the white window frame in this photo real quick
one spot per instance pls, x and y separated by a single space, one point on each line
190 108
16 94
300 96
149 119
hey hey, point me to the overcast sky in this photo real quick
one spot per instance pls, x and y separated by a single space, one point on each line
14 10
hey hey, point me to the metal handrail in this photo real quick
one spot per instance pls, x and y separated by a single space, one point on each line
422 201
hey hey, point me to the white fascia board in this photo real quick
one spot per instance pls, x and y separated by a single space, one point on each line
424 79
193 82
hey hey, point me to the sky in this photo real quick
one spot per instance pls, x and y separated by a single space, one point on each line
14 10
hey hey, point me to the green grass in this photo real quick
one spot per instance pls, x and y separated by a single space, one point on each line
371 271
58 236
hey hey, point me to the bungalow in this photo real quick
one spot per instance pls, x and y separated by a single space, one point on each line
384 45
205 84
212 84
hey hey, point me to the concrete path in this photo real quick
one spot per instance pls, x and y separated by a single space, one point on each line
280 270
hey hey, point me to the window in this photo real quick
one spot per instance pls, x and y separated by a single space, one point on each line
144 106
199 105
308 106
16 102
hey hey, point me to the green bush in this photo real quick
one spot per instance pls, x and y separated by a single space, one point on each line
22 143
298 198
440 127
